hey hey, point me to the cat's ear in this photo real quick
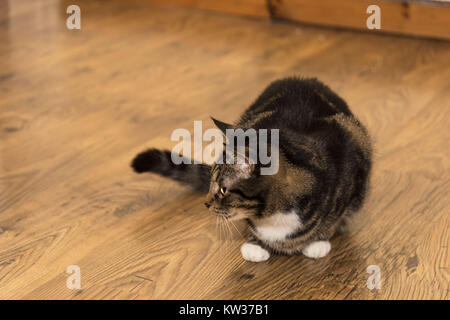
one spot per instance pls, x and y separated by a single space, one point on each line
222 125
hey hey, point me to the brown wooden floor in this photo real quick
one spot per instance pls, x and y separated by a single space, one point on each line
76 106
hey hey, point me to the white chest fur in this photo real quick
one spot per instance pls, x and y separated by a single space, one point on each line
277 226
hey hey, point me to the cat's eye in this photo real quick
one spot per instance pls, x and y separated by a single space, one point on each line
223 190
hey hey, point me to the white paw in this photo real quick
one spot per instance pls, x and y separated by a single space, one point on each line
317 249
253 252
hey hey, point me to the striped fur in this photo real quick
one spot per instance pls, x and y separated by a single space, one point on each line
324 168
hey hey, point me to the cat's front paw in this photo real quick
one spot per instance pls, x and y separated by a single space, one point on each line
253 252
317 249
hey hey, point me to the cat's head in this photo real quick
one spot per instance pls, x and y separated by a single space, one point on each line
236 190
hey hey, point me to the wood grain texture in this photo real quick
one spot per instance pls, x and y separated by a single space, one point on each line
76 106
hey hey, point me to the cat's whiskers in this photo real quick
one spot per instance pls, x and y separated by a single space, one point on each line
224 230
224 226
228 229
217 225
221 229
236 228
239 216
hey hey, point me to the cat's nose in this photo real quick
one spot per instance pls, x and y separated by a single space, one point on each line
207 205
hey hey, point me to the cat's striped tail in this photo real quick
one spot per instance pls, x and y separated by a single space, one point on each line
196 176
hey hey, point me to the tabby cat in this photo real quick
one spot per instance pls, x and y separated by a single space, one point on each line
323 176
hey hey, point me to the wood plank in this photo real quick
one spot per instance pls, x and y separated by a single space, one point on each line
76 106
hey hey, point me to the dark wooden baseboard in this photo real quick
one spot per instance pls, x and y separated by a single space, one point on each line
429 18
424 18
